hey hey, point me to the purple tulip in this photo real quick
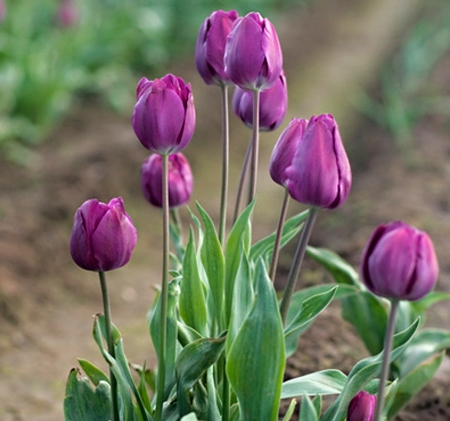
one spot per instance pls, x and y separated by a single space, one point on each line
180 180
273 105
103 235
320 173
210 47
362 407
284 150
67 14
399 262
2 10
164 115
253 57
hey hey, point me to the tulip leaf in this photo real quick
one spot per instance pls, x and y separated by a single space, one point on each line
408 387
94 374
290 411
256 360
308 410
326 382
192 299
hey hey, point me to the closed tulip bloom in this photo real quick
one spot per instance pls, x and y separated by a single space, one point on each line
180 180
164 115
103 235
273 105
284 150
253 57
210 47
362 407
320 173
399 262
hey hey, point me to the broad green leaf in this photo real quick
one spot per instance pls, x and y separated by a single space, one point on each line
256 360
94 374
192 303
307 410
326 382
433 297
190 417
82 402
342 272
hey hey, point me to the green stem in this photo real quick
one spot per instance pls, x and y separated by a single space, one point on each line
255 146
297 262
225 395
276 246
225 164
240 189
386 357
164 292
110 343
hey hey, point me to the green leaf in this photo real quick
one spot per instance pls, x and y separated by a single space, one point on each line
256 360
94 374
82 402
307 410
192 302
290 410
326 382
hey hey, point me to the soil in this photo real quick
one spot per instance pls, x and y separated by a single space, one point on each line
46 303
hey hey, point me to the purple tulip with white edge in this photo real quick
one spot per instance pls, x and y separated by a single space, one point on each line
253 56
362 407
103 235
320 173
399 262
284 150
180 180
272 108
210 46
164 115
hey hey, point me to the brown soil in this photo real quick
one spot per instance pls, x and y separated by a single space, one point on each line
46 303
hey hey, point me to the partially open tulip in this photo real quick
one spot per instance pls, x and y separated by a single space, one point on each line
164 115
362 407
103 235
253 56
180 180
272 107
210 47
284 150
320 173
399 262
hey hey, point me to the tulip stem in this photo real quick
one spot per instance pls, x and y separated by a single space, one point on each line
386 357
164 292
225 163
276 246
110 343
255 146
297 262
242 182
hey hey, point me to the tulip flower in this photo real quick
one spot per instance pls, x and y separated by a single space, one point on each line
210 47
362 407
103 235
2 10
253 57
67 14
399 262
320 173
180 180
284 150
164 115
273 105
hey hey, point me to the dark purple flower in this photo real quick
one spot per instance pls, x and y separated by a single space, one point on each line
273 105
399 262
362 407
210 47
284 150
253 56
103 235
164 115
320 173
180 180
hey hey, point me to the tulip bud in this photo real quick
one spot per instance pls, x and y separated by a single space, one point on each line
164 115
253 57
284 150
103 235
362 407
180 180
320 173
399 262
210 47
67 14
273 105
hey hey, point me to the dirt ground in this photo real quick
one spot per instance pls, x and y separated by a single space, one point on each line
46 303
